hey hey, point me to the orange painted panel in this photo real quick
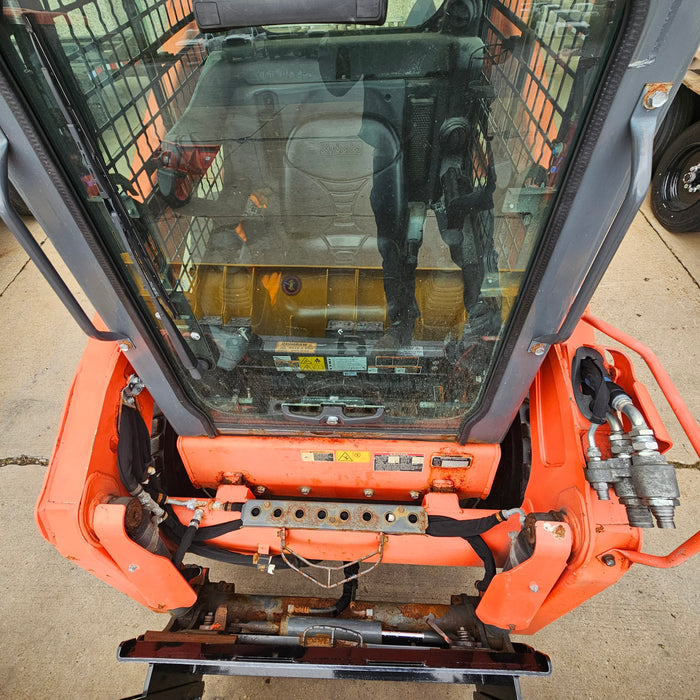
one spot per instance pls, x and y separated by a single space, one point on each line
338 467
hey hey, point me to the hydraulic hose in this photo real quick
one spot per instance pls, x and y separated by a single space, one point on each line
623 403
176 530
187 538
133 449
134 457
347 596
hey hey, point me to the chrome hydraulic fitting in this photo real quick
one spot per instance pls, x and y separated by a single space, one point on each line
642 479
655 483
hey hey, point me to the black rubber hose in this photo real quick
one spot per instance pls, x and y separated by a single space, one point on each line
349 589
346 597
175 530
183 547
133 448
224 555
133 458
442 526
486 555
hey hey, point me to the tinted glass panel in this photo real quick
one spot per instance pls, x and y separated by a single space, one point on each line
332 221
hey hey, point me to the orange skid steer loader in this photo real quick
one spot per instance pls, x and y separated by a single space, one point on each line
341 255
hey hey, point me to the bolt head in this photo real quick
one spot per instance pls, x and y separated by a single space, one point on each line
195 336
133 567
415 495
537 349
305 490
656 99
368 493
608 560
390 517
534 587
124 346
260 489
332 420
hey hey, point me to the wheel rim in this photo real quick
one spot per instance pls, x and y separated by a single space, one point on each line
680 188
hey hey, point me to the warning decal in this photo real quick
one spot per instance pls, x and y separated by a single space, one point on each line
351 456
286 346
312 364
285 363
340 364
398 463
393 370
316 456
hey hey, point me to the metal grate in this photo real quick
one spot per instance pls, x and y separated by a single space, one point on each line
135 64
539 63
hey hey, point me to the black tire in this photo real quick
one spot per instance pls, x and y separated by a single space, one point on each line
680 115
673 202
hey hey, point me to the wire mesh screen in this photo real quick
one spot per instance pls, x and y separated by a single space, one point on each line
135 70
137 62
538 60
135 65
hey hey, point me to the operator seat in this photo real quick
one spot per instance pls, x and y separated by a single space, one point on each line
342 177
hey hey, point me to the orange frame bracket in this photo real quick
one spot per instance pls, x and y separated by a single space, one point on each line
513 597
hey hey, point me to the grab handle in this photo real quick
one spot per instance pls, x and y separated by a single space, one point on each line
35 252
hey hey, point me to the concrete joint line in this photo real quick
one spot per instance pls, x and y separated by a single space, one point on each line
24 461
681 465
21 269
656 231
19 272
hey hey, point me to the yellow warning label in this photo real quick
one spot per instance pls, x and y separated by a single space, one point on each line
350 456
312 364
284 346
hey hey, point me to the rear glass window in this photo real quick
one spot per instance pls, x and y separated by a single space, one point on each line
336 219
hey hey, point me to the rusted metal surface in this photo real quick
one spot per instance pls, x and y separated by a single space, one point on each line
264 614
328 515
434 626
188 636
656 94
442 486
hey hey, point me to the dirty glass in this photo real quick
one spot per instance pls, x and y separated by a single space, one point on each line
328 225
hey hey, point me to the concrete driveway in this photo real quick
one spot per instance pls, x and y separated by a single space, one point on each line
60 627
